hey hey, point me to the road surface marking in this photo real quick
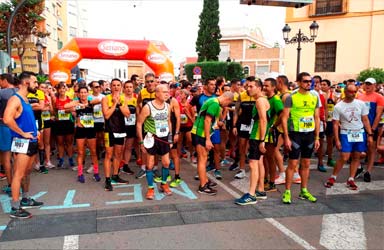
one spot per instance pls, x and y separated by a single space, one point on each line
341 188
290 234
135 215
343 231
71 242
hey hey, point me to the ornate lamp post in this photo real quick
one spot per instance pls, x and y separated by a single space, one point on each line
299 38
39 48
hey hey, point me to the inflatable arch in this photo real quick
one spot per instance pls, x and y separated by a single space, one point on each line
78 48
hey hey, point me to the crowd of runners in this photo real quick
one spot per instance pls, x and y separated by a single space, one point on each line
259 124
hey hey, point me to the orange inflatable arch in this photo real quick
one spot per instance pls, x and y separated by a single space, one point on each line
78 48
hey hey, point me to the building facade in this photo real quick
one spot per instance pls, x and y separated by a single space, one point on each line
350 38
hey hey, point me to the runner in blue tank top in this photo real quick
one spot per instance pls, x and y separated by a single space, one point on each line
19 117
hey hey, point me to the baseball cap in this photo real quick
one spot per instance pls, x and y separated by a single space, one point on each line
370 80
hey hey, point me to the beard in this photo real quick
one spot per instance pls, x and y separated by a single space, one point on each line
32 90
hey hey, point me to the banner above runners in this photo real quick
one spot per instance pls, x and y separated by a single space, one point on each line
80 48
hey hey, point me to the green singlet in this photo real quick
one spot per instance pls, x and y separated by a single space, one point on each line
212 108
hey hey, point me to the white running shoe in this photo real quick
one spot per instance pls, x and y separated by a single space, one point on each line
90 170
280 179
49 165
240 174
74 168
296 178
36 166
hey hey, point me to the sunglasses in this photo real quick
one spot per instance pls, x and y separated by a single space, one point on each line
150 81
96 87
306 81
351 91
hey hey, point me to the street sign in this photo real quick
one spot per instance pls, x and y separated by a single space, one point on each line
197 70
196 77
5 60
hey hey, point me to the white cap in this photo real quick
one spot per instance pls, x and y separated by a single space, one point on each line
370 80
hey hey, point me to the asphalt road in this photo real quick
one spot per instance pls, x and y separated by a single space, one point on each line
84 216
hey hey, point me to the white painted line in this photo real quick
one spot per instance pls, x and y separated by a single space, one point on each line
135 215
290 234
343 231
71 242
341 188
225 187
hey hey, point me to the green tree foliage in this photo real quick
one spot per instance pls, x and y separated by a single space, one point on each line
376 73
24 23
207 44
214 69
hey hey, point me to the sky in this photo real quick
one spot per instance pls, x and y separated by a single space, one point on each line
176 22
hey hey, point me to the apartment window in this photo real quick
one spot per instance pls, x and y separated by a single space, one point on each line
328 6
72 31
325 57
246 71
262 69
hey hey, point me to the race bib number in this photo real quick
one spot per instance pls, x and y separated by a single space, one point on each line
119 135
87 121
321 126
131 120
63 116
306 124
19 145
355 136
183 118
382 119
162 128
330 112
45 115
246 128
97 113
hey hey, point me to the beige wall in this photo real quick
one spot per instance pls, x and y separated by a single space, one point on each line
359 36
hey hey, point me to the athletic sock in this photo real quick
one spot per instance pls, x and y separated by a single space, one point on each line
149 176
79 170
95 168
41 156
164 175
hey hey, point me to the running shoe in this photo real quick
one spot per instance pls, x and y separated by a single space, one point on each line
321 168
36 166
139 162
60 164
108 185
127 170
234 167
367 177
140 174
217 174
206 189
49 165
271 187
75 168
193 159
296 178
210 167
351 185
176 182
331 163
261 195
286 199
240 174
306 195
196 177
7 190
246 199
71 162
330 182
359 172
19 213
280 179
43 170
224 162
90 170
150 194
81 179
116 180
159 179
211 184
30 203
164 188
2 176
156 173
96 177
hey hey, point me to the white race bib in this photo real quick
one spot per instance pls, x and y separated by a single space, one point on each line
355 136
87 121
46 115
306 124
19 145
119 135
162 128
63 116
244 127
131 120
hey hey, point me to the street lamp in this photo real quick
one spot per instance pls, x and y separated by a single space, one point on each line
299 38
39 48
